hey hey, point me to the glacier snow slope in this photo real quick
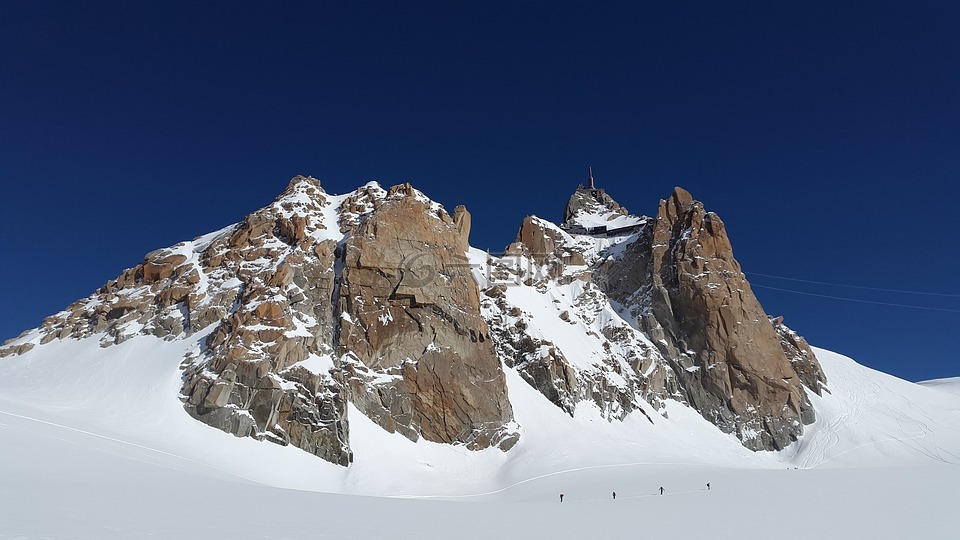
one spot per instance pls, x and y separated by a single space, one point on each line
951 385
97 445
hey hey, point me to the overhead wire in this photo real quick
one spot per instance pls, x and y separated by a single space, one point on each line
901 291
854 299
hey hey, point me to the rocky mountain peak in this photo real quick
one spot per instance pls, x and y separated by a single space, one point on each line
676 205
405 190
594 202
697 306
375 298
411 339
301 184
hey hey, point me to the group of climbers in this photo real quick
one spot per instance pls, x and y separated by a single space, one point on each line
615 493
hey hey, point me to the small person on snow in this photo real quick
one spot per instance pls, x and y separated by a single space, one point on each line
708 486
661 490
561 497
614 495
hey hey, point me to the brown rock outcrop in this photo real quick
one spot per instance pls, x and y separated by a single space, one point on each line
800 354
702 314
461 222
417 352
247 379
266 287
535 240
591 201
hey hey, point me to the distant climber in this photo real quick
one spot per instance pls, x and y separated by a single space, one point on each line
614 495
661 490
561 497
708 486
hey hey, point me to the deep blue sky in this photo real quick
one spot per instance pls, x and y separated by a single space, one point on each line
825 134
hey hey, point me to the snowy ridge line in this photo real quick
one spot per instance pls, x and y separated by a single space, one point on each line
565 471
950 385
121 441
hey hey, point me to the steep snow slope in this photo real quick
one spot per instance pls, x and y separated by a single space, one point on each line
872 419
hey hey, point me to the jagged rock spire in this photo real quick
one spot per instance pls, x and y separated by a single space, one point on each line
696 305
590 200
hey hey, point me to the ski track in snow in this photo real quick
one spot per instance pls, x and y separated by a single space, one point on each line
563 472
111 439
933 450
856 394
828 437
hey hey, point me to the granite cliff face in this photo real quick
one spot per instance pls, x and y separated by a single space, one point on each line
375 298
411 339
690 296
266 369
309 304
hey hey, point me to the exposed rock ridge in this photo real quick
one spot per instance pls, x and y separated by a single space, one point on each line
591 201
417 351
376 298
622 379
609 363
267 370
703 336
800 354
691 298
271 295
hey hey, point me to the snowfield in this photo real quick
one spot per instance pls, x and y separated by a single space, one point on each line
96 445
951 385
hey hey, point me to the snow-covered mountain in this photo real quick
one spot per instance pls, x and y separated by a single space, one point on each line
376 299
386 356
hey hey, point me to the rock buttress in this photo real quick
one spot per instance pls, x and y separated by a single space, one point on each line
266 370
697 306
415 351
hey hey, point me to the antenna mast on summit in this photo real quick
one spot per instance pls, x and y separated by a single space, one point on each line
590 175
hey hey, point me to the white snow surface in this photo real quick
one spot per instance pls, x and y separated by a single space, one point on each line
96 445
951 385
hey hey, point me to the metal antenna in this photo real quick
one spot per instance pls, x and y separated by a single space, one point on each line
591 176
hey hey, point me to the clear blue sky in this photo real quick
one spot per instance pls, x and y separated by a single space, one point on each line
825 134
